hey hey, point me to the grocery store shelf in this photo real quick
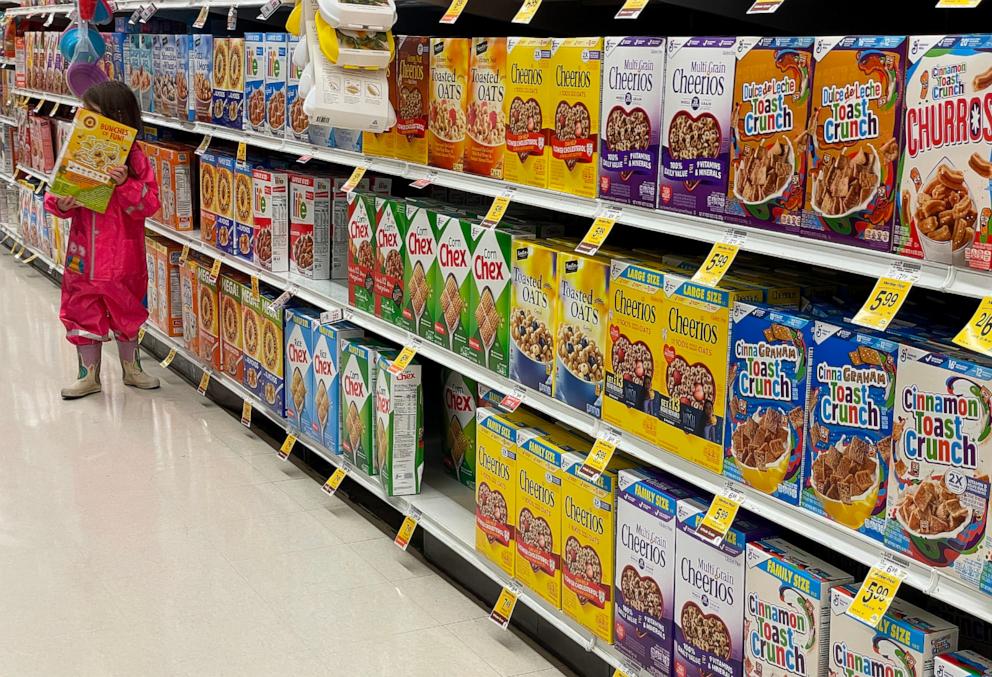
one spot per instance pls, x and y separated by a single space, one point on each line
10 232
34 173
123 6
7 178
7 120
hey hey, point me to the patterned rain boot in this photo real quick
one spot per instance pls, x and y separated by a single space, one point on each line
89 373
131 363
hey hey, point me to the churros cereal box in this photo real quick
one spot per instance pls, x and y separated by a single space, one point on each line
460 395
855 123
484 115
577 65
413 85
526 111
532 314
424 226
231 357
448 102
323 401
361 250
772 92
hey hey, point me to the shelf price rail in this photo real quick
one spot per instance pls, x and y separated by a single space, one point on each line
10 232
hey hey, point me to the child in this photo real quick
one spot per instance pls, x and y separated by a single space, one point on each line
105 283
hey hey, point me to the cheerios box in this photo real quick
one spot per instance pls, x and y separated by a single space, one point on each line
399 426
695 134
390 252
322 406
460 397
905 642
208 309
452 288
263 347
938 486
299 335
644 574
276 63
270 216
361 250
254 102
413 86
532 314
448 102
787 617
424 226
491 295
231 324
710 593
526 111
577 65
962 664
498 438
358 358
849 451
768 385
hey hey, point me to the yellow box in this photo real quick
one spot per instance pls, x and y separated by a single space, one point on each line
526 112
532 314
449 102
577 65
497 448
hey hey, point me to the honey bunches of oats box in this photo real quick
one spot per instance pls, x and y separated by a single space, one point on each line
323 400
270 350
399 426
361 250
358 374
460 396
390 251
787 617
424 226
490 296
532 314
300 334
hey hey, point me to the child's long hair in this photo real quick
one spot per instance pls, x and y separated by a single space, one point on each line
116 101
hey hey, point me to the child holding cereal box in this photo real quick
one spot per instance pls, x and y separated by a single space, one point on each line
105 276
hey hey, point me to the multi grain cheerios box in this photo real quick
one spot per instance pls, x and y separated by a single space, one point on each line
856 123
300 333
390 252
448 102
962 664
498 436
945 213
787 618
630 128
491 295
938 488
460 396
710 601
772 92
358 358
904 643
424 226
577 66
399 426
413 85
695 137
361 250
201 66
532 314
849 451
768 382
231 330
485 127
452 287
255 64
322 404
644 578
526 111
270 217
208 309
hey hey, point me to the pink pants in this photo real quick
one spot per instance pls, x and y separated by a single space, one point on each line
92 309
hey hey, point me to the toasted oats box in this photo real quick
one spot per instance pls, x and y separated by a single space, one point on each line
962 664
532 314
945 211
577 64
460 397
399 426
322 406
710 593
270 216
452 287
231 330
277 60
644 578
358 374
413 85
201 67
310 225
424 226
787 617
300 334
904 643
449 100
630 124
938 488
772 87
208 309
244 218
255 65
768 386
526 111
856 121
852 395
390 252
188 275
695 137
361 250
498 436
484 115
490 296
297 122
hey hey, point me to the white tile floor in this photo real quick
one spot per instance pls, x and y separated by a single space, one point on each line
149 533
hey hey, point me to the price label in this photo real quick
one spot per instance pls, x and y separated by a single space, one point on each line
39 188
503 610
50 19
39 105
454 11
254 286
303 159
246 414
424 182
598 231
401 361
232 18
720 516
717 264
877 592
201 18
141 334
269 8
409 525
600 454
148 12
497 209
133 19
287 447
55 109
355 178
958 4
168 359
513 399
204 142
215 269
977 334
204 382
242 151
334 481
883 303
30 258
631 9
765 6
280 301
331 316
184 255
527 11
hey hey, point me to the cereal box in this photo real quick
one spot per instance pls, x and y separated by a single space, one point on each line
413 86
904 643
256 60
768 384
424 225
375 141
185 106
235 66
787 617
188 275
339 226
231 356
201 66
498 436
300 334
270 350
146 51
390 251
297 121
490 296
938 488
962 664
577 64
224 188
630 128
695 141
484 116
251 338
460 397
944 205
399 426
270 237
449 100
358 373
244 219
276 62
322 401
310 226
361 250
175 170
526 111
161 104
168 292
208 310
582 318
151 298
856 125
772 86
709 593
532 314
644 579
852 395
208 182
452 287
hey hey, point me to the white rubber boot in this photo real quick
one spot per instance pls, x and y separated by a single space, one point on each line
133 375
89 373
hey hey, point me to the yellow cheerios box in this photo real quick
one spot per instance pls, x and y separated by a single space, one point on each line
576 70
498 435
526 111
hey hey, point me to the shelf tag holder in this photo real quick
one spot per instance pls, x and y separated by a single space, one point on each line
232 18
29 259
168 359
977 334
601 453
303 159
141 335
215 269
631 9
184 255
287 447
147 13
958 4
55 109
888 295
405 534
405 356
720 258
497 209
720 516
513 399
242 151
50 20
765 6
41 103
255 291
201 18
331 316
356 176
204 382
334 481
246 414
503 609
877 591
204 143
280 301
599 231
268 9
455 10
422 183
526 11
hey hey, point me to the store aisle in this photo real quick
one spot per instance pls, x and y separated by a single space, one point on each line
147 533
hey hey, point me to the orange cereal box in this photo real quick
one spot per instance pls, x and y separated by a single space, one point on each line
413 86
577 66
449 99
484 117
525 111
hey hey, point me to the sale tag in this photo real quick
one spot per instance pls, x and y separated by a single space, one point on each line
30 258
168 359
716 265
331 316
55 109
254 286
246 414
877 592
526 11
424 182
720 516
454 11
958 4
232 18
280 301
600 454
599 231
39 188
303 159
184 255
242 151
202 148
269 8
201 18
497 209
204 382
287 447
631 9
148 12
977 334
215 269
141 334
405 356
50 19
354 179
883 303
409 525
765 6
500 615
513 399
334 481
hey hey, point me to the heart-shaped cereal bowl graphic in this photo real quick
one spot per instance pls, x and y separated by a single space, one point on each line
535 532
492 505
692 384
627 131
691 137
706 632
583 562
525 120
642 593
572 121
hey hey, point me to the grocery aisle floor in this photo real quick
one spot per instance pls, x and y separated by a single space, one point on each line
148 533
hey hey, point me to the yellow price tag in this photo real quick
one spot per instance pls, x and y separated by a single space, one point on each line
883 303
527 11
500 615
30 258
497 209
631 9
204 382
717 264
600 455
409 525
168 358
977 334
334 481
404 358
141 334
38 106
598 232
254 286
454 11
184 255
246 414
215 269
202 148
287 447
356 176
40 188
958 4
720 516
242 151
201 18
55 109
877 592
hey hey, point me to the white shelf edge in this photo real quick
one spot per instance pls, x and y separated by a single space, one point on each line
129 6
7 120
8 231
34 173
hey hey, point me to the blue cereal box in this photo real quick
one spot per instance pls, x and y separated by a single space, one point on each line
769 366
201 68
244 222
184 98
322 409
146 52
300 335
852 395
276 62
255 64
